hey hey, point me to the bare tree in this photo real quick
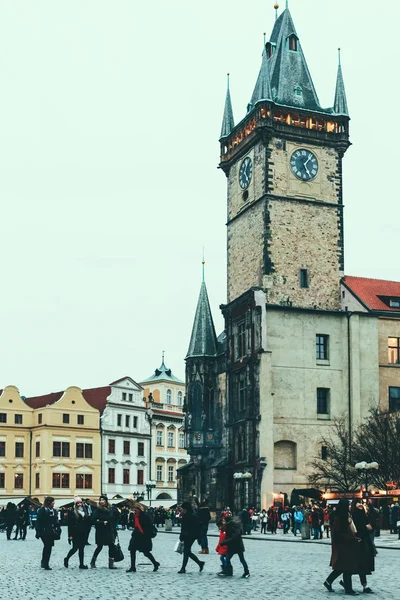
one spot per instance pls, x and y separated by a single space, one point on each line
337 471
378 440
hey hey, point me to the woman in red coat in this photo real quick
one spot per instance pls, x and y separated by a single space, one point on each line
345 557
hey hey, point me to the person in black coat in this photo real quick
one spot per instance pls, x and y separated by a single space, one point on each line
204 517
367 549
235 545
106 533
189 533
48 529
10 518
141 538
79 524
22 521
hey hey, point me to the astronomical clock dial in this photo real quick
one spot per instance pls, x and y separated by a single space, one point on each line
245 173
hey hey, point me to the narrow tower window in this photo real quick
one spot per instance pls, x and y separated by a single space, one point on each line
269 49
303 278
293 43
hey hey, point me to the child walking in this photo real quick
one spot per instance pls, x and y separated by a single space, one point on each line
235 544
226 567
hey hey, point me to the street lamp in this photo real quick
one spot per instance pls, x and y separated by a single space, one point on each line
149 416
364 467
150 485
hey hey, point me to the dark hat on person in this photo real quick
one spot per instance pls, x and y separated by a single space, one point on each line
103 497
187 506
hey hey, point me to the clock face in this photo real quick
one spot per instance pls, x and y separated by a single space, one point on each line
245 172
304 164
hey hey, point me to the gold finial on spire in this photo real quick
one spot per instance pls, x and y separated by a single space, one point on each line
339 55
276 7
203 262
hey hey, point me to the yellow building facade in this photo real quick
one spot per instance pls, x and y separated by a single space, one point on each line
51 445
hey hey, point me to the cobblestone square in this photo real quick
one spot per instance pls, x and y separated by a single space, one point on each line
278 570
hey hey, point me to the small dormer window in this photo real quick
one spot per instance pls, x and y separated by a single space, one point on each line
292 43
298 90
394 303
270 49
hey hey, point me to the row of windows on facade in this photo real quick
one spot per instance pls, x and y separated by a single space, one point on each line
59 449
126 476
18 419
321 345
59 481
129 397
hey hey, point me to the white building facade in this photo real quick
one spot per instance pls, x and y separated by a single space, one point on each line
125 434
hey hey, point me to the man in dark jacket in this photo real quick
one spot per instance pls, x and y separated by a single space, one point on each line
189 533
235 545
204 517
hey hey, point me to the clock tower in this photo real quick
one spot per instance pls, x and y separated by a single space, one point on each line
283 163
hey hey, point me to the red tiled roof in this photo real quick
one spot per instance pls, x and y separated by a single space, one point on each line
96 397
370 290
40 401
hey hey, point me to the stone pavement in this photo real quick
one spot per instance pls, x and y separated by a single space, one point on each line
385 540
278 570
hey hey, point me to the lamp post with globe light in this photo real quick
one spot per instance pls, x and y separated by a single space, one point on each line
364 467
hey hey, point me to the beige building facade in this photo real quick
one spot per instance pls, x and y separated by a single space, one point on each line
51 445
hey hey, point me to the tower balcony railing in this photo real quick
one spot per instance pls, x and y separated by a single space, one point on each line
284 119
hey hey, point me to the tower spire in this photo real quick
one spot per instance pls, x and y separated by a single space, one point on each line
203 262
262 90
276 7
203 341
340 103
228 122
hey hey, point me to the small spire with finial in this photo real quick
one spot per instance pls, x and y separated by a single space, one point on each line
276 7
203 262
287 4
339 56
265 38
228 79
163 354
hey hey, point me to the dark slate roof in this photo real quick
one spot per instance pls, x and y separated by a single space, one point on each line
162 374
340 104
228 122
262 90
289 69
203 341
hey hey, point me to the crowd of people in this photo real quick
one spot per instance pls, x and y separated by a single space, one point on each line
351 527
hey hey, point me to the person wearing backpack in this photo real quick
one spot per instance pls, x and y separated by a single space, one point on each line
298 518
190 531
141 539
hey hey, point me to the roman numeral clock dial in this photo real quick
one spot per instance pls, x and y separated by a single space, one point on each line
304 164
245 173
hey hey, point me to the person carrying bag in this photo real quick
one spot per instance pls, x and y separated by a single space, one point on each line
141 539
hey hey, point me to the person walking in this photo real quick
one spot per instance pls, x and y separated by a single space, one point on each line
285 519
141 538
189 533
235 544
367 549
79 524
10 518
298 519
226 567
22 521
203 517
246 521
102 518
316 522
264 521
345 557
48 529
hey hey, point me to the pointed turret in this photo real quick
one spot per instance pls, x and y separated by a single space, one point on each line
203 341
228 122
340 104
291 82
262 90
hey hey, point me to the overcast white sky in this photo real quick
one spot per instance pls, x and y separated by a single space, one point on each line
109 188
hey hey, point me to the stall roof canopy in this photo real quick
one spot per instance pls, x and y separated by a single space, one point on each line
308 493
